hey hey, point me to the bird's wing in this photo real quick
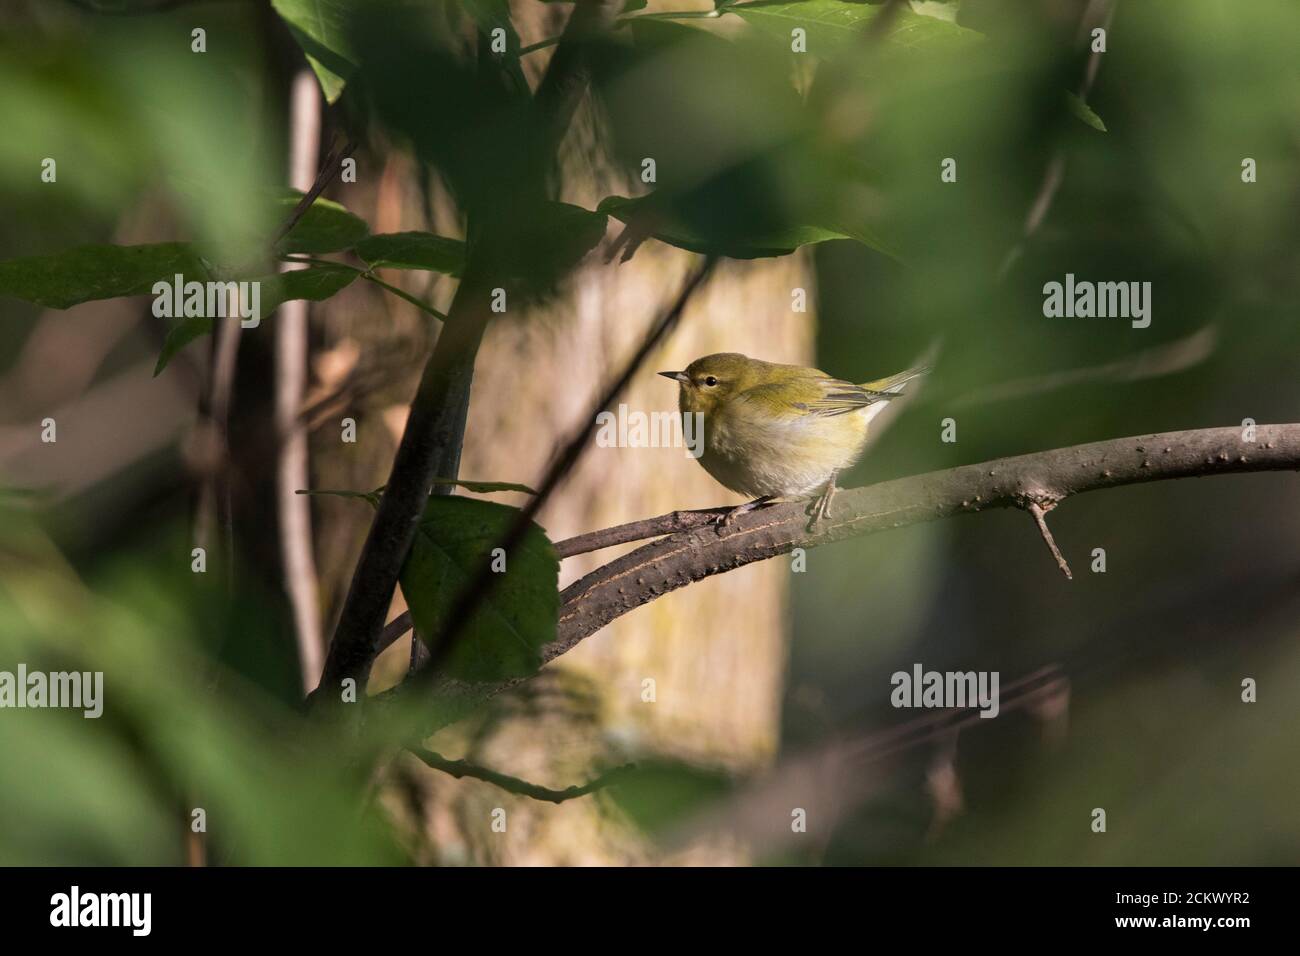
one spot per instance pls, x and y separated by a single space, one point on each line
839 397
814 394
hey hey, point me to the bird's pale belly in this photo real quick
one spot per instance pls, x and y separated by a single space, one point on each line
784 459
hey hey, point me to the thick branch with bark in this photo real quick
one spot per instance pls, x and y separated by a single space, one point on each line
1036 481
1044 479
430 447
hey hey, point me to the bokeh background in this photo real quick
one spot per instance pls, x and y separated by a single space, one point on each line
772 686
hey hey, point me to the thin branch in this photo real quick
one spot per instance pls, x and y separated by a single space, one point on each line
395 629
291 353
402 294
213 515
670 523
461 768
370 276
1039 513
330 167
1098 13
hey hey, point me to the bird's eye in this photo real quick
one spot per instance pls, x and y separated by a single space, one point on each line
710 381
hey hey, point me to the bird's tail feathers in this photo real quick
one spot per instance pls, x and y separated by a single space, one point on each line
893 384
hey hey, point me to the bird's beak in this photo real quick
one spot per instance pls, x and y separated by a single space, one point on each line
676 376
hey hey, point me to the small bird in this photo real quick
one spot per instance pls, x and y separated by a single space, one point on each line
780 431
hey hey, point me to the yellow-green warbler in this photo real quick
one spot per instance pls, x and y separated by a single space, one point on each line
780 431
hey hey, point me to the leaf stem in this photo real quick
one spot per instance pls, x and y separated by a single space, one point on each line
369 276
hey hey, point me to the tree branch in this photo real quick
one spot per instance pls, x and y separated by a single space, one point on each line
1045 477
461 768
696 549
670 523
430 446
292 353
1039 514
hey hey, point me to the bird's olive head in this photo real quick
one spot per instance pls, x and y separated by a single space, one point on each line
710 381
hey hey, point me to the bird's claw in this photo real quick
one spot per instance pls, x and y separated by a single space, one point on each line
820 510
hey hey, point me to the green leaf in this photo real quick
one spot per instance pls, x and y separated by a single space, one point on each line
655 794
64 279
545 241
777 243
1084 112
832 25
506 634
325 227
413 250
559 236
314 284
321 29
181 335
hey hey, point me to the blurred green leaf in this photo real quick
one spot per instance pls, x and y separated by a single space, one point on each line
546 241
314 284
505 637
777 243
64 279
1084 112
320 27
182 334
325 227
832 25
184 711
413 250
655 794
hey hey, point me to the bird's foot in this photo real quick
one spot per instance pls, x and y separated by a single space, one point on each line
730 516
820 509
